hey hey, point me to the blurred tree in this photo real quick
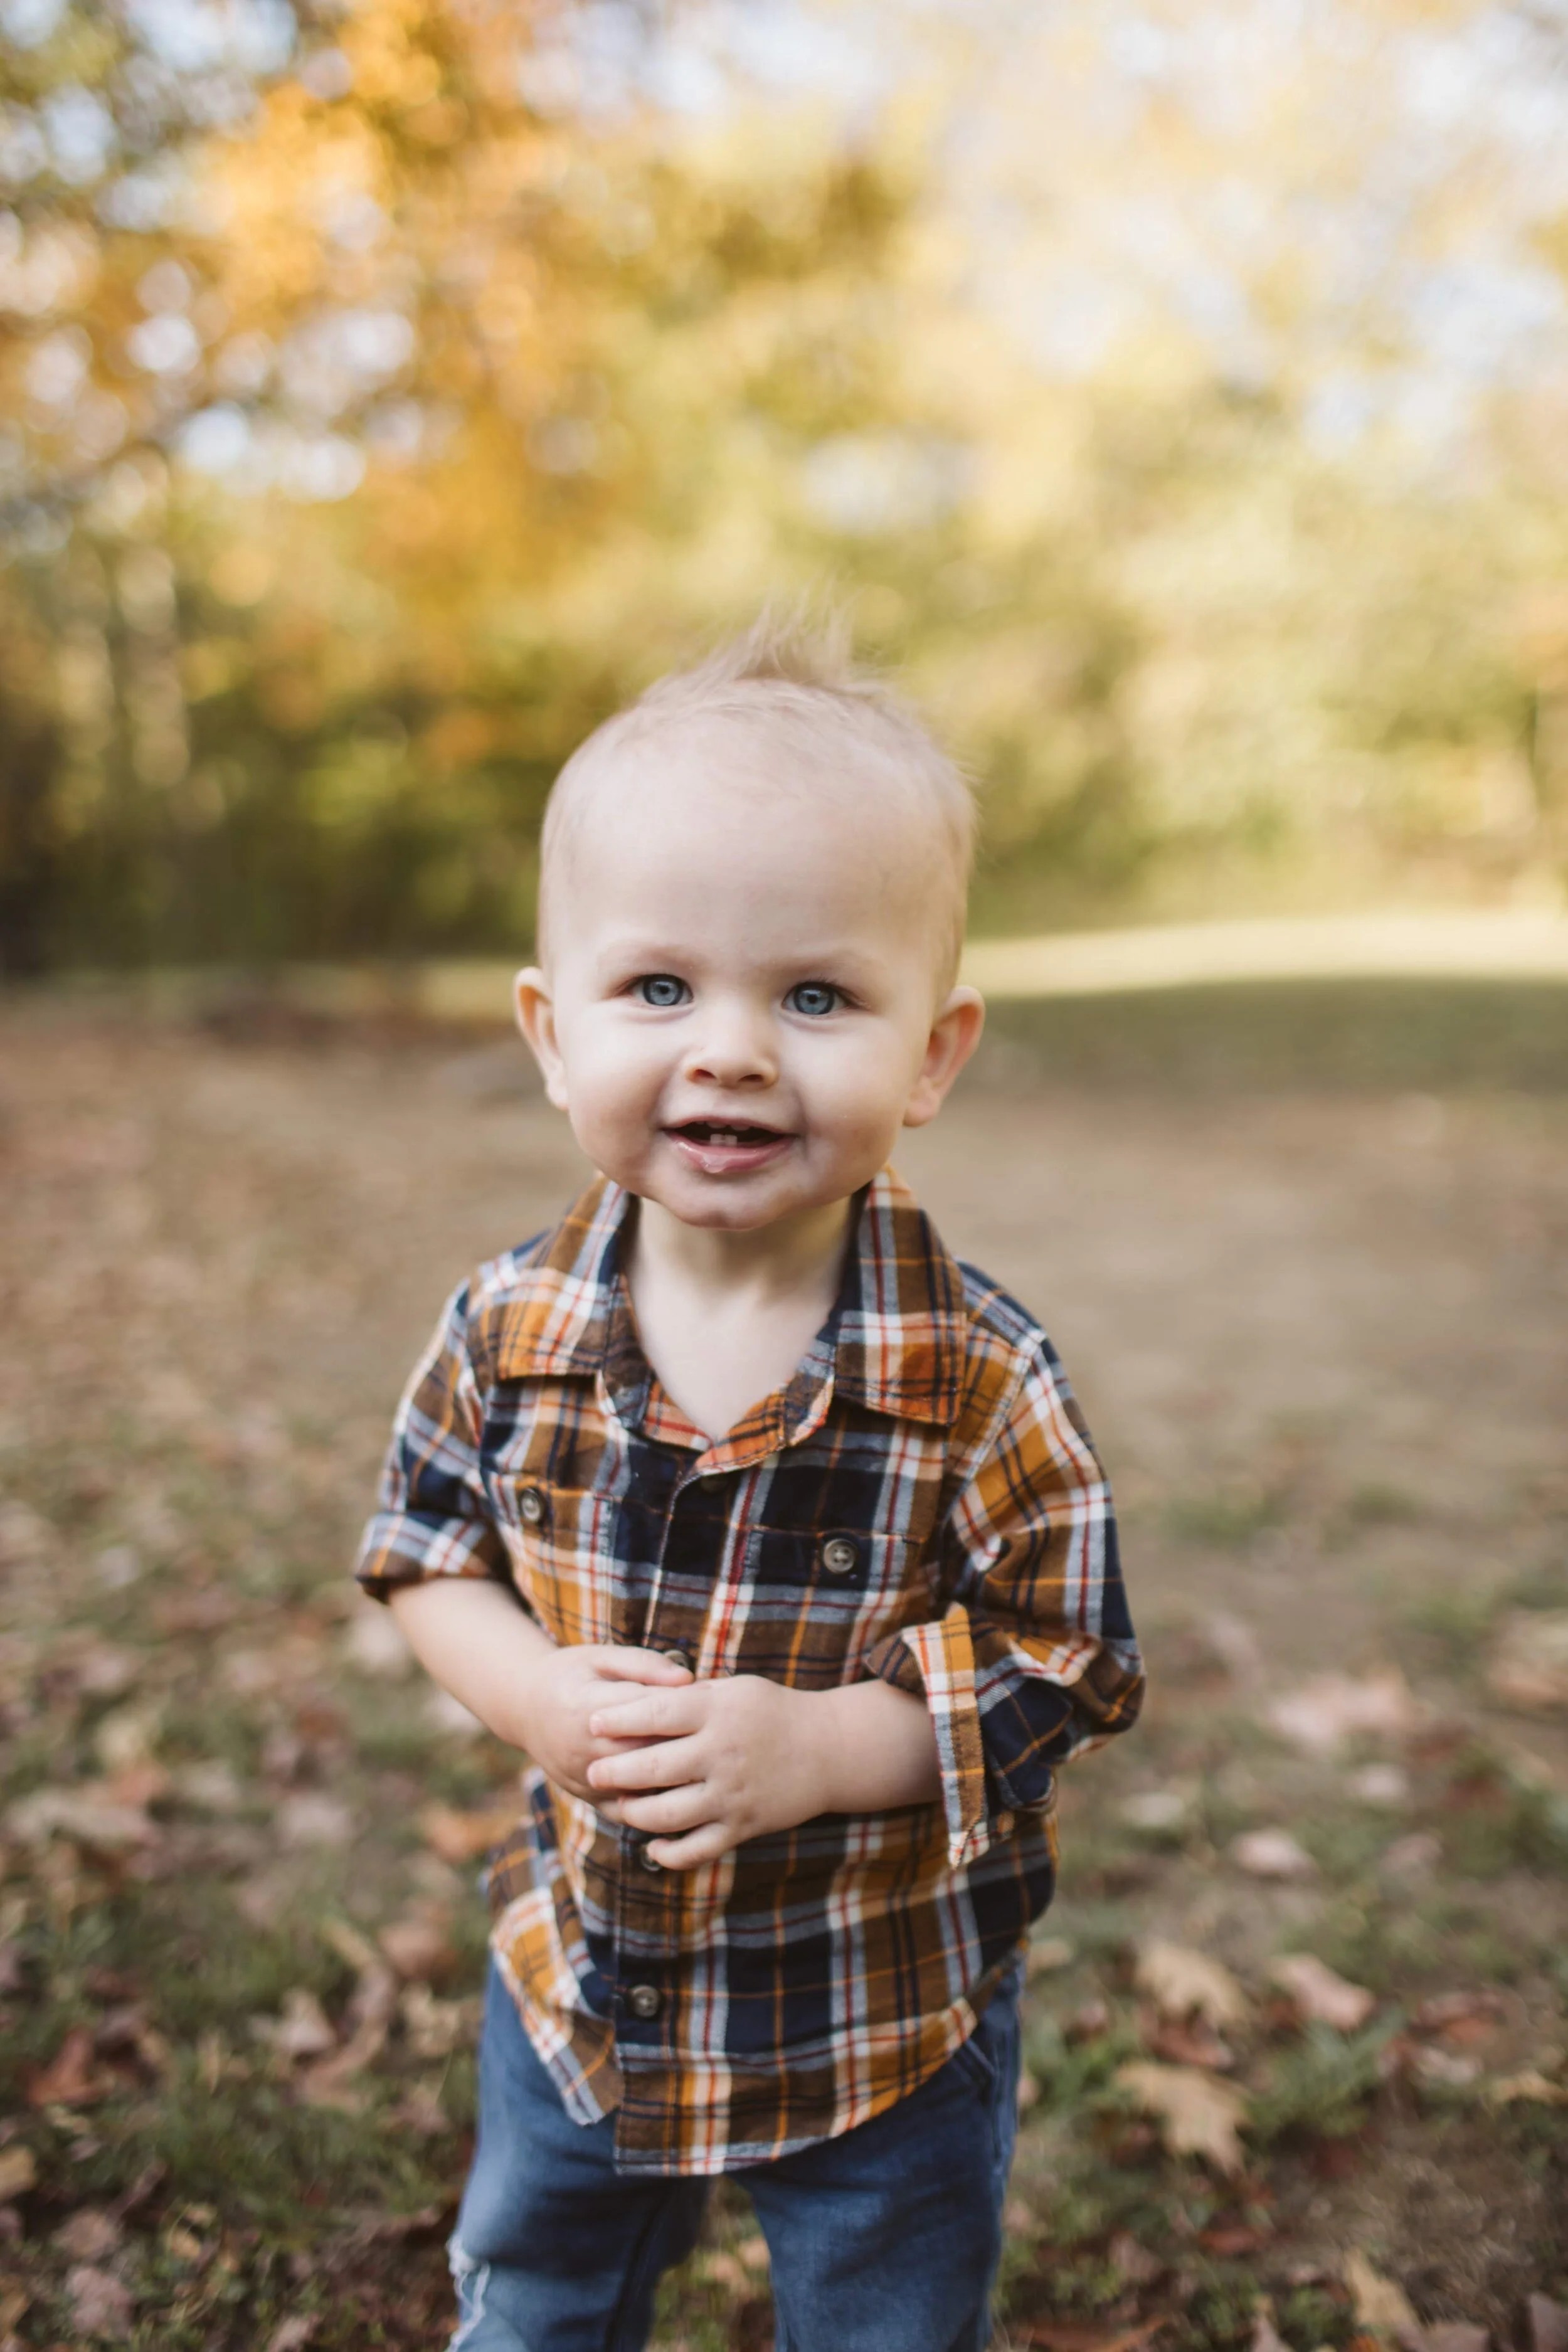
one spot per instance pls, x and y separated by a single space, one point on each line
385 401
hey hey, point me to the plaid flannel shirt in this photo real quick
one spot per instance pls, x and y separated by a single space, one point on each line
919 1502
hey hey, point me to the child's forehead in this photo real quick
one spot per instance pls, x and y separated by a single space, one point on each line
747 778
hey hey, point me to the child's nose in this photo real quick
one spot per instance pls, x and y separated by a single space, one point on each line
735 1049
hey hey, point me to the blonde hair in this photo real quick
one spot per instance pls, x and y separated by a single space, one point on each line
793 680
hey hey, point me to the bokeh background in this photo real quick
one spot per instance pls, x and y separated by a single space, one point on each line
1176 397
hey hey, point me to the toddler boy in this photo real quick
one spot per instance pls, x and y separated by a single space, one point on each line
774 1537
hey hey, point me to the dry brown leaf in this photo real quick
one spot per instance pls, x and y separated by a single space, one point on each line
1319 1994
18 2172
1183 1982
71 2079
1381 2305
420 1950
1531 2084
1528 1665
89 2235
1197 2113
1320 1715
303 2030
1266 2337
292 2334
1455 2336
101 2304
1548 2324
1272 1854
464 1836
1049 1952
312 1817
92 1814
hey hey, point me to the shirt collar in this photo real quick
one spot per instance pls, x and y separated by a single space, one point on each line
895 1342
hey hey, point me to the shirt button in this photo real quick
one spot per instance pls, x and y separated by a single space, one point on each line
839 1555
531 1503
653 1867
1004 1825
645 2000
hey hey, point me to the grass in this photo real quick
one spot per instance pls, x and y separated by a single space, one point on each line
236 2200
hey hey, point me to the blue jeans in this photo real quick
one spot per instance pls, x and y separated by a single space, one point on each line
883 2239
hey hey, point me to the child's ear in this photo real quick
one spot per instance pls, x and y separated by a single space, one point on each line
536 1019
954 1035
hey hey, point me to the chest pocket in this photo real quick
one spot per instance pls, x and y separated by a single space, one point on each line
553 1536
816 1603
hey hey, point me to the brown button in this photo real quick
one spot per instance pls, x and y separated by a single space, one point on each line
839 1555
531 1503
648 1861
645 2000
1004 1825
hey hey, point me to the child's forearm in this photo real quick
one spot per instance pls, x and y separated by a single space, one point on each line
473 1638
878 1749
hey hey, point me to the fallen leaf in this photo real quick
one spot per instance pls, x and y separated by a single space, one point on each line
1529 2085
1088 2022
1456 2015
1548 2324
1319 1994
1411 1858
1445 2069
1183 1982
1197 2113
292 2334
18 2172
1320 1715
312 1817
71 2079
101 2304
1134 2265
302 2030
1381 1784
434 2028
90 1814
463 1837
420 1948
1266 2337
89 2235
1049 1952
1455 2336
1527 1664
1157 1811
1272 1854
1380 2304
1232 2238
1184 2040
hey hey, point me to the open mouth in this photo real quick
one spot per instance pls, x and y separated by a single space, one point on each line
710 1131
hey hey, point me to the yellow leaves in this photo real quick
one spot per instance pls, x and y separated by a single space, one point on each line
1381 2305
1183 1982
1197 2113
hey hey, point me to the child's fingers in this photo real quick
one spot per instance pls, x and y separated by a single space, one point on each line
616 1664
705 1845
669 1812
657 1715
663 1764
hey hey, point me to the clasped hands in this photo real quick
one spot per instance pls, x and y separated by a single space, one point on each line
700 1766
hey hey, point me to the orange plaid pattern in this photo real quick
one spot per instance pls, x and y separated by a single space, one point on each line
922 1502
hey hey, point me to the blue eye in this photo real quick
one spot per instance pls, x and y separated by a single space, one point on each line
662 989
814 998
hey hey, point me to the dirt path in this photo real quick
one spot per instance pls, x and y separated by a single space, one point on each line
1323 1343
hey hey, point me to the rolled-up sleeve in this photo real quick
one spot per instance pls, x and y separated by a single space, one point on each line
1033 1659
434 1518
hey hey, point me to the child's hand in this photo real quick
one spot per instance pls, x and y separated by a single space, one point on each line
713 1763
567 1690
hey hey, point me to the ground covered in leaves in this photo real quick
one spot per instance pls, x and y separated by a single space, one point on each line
1296 2026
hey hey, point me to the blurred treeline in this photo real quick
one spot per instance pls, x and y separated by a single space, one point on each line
1179 398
